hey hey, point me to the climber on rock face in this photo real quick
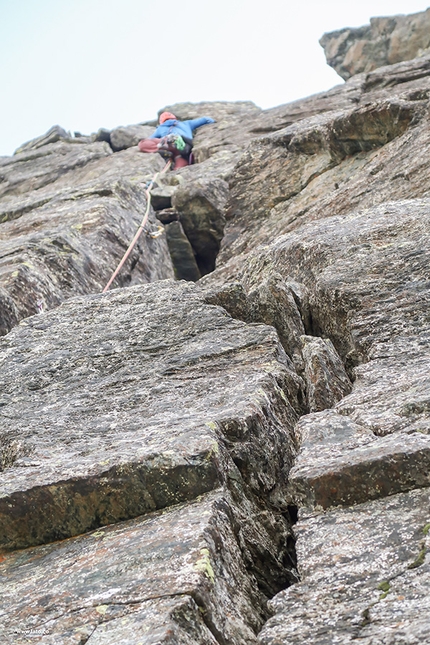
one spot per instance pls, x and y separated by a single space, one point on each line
173 139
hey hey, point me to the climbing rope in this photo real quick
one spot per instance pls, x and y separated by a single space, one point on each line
141 225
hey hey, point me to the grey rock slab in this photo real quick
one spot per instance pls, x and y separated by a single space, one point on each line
279 166
130 164
340 97
366 279
134 400
364 577
341 463
180 569
273 302
391 391
54 134
370 267
268 198
33 169
411 77
69 242
158 622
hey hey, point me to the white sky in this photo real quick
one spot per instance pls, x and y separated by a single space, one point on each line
86 64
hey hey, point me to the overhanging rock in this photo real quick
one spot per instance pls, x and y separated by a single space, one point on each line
387 40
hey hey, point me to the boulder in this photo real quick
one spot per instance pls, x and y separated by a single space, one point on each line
128 136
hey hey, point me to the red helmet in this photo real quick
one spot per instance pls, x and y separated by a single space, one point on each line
165 116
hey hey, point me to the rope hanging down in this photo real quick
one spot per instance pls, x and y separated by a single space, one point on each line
141 225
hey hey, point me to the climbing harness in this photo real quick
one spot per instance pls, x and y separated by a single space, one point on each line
141 225
174 144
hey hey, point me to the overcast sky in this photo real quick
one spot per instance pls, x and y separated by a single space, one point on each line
86 64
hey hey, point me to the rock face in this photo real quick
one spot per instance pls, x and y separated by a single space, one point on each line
148 423
246 459
364 577
68 213
385 41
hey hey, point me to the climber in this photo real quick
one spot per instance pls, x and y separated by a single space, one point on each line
173 139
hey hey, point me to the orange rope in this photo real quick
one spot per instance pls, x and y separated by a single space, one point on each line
140 227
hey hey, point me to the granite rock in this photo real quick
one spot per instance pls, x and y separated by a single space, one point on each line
35 168
385 41
67 242
326 379
147 420
181 252
128 136
54 134
190 425
341 463
200 206
177 574
364 577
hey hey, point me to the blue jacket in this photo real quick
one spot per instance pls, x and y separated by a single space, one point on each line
184 128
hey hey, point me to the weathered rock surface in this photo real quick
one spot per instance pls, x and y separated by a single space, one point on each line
125 405
35 168
54 134
326 379
385 41
201 207
364 577
181 252
180 571
341 463
128 136
280 177
361 280
67 236
147 421
137 439
364 286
